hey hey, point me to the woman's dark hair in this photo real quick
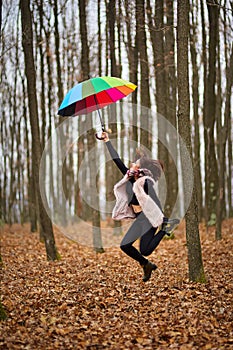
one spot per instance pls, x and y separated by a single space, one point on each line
155 166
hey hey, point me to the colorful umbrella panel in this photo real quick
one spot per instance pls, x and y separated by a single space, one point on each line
94 94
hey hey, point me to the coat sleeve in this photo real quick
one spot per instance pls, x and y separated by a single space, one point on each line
115 157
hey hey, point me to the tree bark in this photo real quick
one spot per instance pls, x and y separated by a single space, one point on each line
222 139
211 176
171 102
99 39
146 138
110 168
85 66
3 313
27 41
81 207
195 94
165 82
196 270
132 54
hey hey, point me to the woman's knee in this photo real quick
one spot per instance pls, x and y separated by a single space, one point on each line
144 251
125 247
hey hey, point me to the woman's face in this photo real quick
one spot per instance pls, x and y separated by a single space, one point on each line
136 165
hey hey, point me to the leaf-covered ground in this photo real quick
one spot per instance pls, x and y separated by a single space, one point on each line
90 301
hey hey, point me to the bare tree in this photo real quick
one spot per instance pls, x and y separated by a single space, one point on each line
27 40
165 82
94 212
132 54
110 167
222 140
146 138
195 99
3 314
196 270
211 176
0 15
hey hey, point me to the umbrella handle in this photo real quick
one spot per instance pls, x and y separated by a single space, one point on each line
99 138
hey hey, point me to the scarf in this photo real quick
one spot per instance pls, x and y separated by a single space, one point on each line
123 211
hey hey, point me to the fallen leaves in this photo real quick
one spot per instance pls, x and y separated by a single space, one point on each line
89 301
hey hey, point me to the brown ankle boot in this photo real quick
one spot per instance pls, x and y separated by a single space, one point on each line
148 268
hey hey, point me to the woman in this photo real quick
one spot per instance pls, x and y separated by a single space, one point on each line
136 198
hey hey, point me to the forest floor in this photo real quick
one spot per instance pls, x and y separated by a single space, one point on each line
98 301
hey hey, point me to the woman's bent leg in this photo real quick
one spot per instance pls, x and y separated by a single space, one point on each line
149 241
134 232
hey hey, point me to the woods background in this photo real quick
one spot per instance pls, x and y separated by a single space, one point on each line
135 40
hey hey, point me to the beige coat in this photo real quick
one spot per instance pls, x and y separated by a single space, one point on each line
123 211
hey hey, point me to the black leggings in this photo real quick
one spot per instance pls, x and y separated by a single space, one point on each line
141 228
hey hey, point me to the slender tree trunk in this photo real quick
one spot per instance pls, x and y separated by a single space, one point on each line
204 61
230 169
0 15
27 41
99 39
211 176
195 94
163 55
12 170
3 314
119 39
171 101
223 135
47 33
132 54
42 75
196 270
110 168
106 40
146 139
42 79
62 139
95 213
157 39
4 182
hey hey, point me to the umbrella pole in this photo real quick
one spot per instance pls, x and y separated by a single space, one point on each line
101 119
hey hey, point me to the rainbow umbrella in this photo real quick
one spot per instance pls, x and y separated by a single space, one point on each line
94 94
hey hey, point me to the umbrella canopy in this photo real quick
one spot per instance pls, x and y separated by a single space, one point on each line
94 94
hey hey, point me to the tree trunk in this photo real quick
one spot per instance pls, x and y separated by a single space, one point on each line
27 41
99 39
195 94
223 134
3 314
171 101
50 96
163 55
110 168
81 208
211 175
85 66
230 171
146 137
132 54
196 270
62 139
